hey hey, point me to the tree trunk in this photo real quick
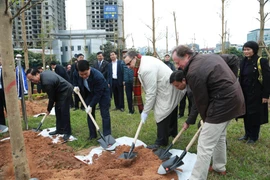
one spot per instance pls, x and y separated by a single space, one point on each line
222 31
262 19
20 161
153 29
175 29
167 49
25 49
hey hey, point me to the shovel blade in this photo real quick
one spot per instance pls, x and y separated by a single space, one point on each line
163 154
170 165
127 155
3 129
107 142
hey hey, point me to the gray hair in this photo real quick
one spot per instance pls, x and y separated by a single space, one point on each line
132 54
182 50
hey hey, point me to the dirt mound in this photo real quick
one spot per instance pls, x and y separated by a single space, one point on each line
35 107
50 161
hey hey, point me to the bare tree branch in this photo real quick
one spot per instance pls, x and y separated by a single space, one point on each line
19 11
32 6
6 6
265 2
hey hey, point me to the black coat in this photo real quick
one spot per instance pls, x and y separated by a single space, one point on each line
103 68
253 90
57 88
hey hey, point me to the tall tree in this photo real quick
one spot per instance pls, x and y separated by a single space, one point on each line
175 29
222 28
262 20
20 162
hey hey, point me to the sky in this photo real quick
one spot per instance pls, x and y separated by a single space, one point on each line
196 19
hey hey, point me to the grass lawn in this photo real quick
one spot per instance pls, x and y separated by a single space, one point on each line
247 162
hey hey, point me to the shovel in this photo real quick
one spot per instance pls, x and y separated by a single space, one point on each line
131 154
106 142
164 154
3 129
174 162
40 124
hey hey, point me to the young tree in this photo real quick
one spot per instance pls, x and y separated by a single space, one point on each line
262 20
20 162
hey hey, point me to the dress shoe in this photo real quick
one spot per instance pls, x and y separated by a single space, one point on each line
91 138
53 133
220 173
251 141
179 116
243 138
66 137
75 109
122 110
153 146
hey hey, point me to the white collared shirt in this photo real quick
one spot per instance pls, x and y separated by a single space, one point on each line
114 69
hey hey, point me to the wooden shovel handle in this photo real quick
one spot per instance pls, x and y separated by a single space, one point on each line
194 137
178 135
44 118
137 133
92 118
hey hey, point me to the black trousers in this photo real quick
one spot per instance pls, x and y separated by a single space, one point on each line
62 114
104 105
129 90
118 94
167 127
252 126
76 101
182 106
2 107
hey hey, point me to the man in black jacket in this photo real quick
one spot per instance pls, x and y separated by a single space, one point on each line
60 70
101 64
59 92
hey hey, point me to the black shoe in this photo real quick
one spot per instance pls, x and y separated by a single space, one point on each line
91 138
251 141
179 116
243 138
153 146
122 110
66 137
115 109
75 109
53 133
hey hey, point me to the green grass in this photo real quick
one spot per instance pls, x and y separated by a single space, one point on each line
245 162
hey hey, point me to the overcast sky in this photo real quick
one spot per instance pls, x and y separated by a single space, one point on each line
195 18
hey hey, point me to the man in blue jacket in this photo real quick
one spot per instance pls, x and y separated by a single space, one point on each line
95 88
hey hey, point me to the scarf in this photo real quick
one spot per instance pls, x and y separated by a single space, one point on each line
137 88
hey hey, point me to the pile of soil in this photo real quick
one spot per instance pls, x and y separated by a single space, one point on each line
35 107
56 161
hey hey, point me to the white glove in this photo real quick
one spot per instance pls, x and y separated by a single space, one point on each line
143 117
88 109
76 89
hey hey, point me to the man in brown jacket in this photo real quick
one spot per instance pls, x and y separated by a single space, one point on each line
218 97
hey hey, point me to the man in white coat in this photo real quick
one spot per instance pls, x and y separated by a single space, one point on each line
160 95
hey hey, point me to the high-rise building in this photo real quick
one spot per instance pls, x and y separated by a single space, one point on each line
40 20
254 35
106 15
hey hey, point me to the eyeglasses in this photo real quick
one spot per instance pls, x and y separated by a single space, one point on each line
128 64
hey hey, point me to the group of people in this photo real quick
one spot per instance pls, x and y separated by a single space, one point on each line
208 80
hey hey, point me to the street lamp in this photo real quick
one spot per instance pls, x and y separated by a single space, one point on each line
21 88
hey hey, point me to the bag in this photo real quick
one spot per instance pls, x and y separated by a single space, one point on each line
260 78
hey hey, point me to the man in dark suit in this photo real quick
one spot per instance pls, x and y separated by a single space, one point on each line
60 70
95 88
115 80
101 64
2 97
72 80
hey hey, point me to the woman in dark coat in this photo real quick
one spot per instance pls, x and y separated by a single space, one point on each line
256 92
